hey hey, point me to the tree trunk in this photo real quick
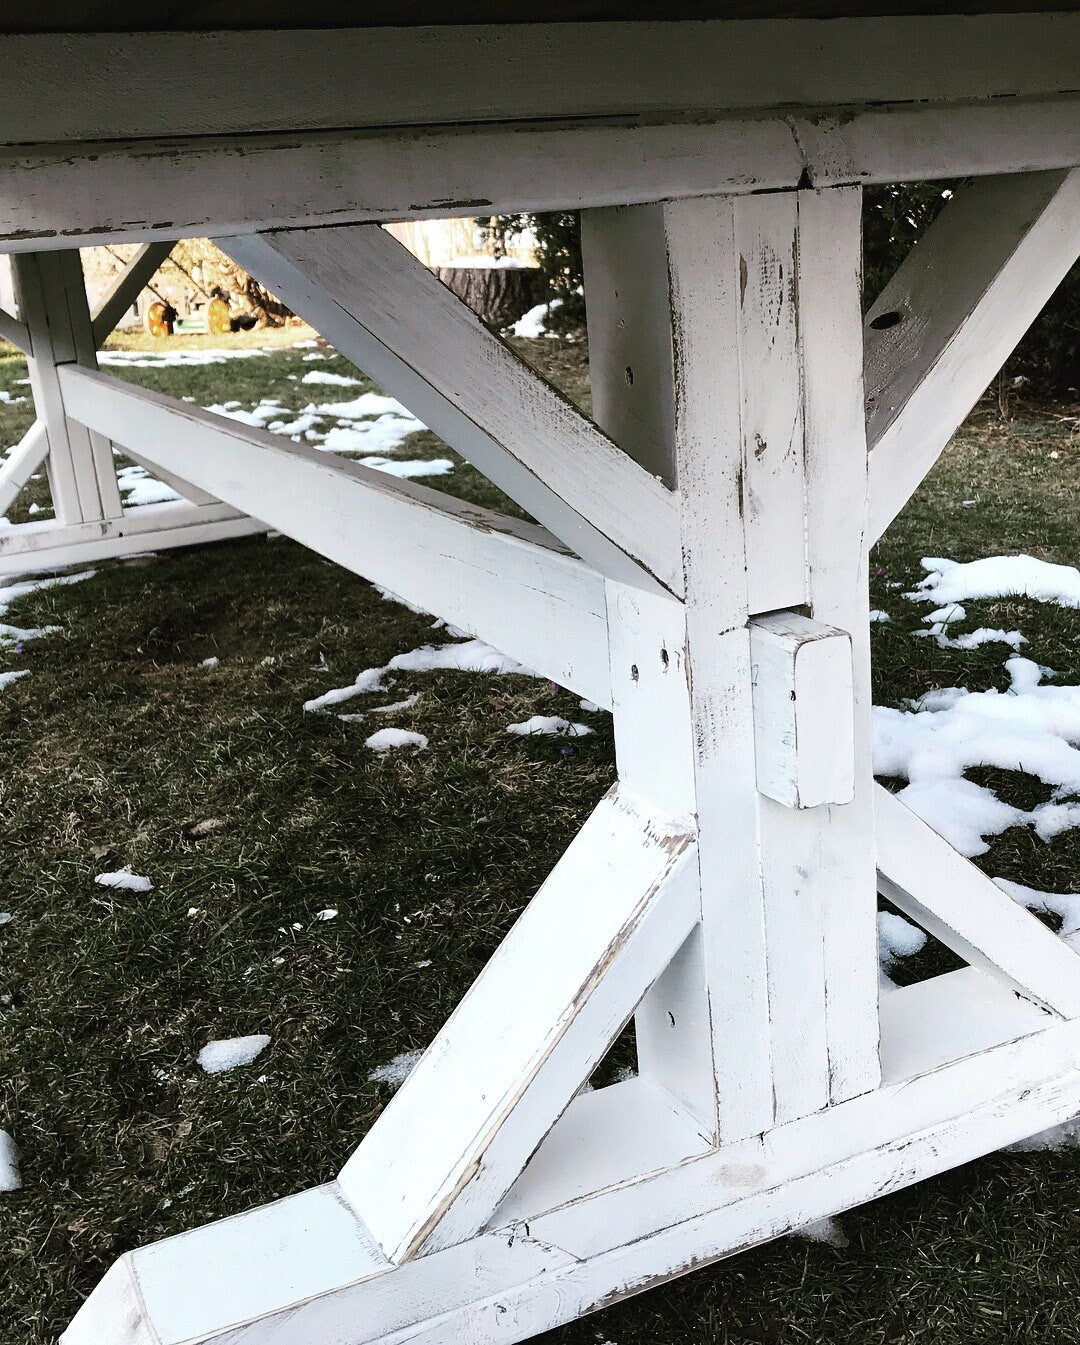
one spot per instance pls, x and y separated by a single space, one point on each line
498 295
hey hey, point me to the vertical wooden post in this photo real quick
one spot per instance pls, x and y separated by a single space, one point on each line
52 303
725 349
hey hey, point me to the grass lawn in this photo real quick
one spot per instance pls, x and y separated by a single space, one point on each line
120 743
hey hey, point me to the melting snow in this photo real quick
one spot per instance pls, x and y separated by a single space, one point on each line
396 1071
998 577
325 376
6 678
1029 728
138 487
1065 905
125 879
19 589
9 1163
468 656
385 740
406 704
540 724
218 1056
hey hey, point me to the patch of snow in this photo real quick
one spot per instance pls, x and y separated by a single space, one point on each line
1065 905
589 707
328 914
9 1163
413 468
19 589
396 1071
368 404
1029 728
164 359
325 376
974 638
998 577
19 634
468 656
548 724
879 618
1063 1136
534 323
386 740
138 488
898 937
6 678
6 917
212 662
230 1053
825 1230
406 704
125 879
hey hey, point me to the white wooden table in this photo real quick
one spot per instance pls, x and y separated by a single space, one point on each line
698 565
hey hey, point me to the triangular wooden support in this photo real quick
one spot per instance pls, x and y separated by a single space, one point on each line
559 990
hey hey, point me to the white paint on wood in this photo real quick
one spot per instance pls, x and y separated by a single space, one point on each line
416 339
700 255
154 527
502 580
11 329
839 852
52 304
531 1275
804 719
529 1032
126 288
166 84
928 880
631 360
21 463
773 494
944 325
66 194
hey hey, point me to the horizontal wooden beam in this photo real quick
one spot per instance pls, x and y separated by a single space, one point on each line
922 875
507 582
60 195
49 544
126 288
168 84
950 317
377 305
305 1269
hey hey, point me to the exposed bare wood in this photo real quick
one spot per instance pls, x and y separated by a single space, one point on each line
380 307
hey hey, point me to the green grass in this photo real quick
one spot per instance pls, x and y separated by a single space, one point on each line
119 742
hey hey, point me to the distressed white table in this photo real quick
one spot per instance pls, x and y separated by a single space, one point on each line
698 565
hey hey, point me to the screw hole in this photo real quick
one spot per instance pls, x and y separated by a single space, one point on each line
633 672
884 321
629 377
665 657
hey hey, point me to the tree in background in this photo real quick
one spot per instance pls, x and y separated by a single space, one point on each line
1048 358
